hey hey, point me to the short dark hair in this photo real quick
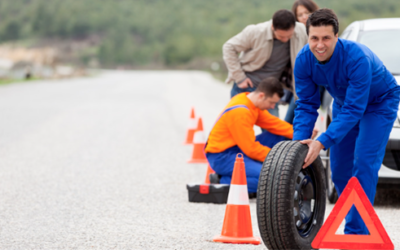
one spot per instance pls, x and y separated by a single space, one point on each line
323 17
283 20
269 86
310 5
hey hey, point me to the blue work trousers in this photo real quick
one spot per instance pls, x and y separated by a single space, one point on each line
361 153
223 163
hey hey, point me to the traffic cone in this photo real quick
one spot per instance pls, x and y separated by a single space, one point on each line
191 128
199 142
209 171
199 125
237 226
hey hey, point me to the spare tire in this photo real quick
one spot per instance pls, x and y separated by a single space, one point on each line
290 200
330 187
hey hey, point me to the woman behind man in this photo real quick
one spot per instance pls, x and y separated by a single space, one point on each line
301 9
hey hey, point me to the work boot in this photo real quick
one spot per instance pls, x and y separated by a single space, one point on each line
214 178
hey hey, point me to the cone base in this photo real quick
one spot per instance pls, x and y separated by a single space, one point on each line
197 161
237 240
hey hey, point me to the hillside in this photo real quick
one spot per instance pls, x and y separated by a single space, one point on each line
151 33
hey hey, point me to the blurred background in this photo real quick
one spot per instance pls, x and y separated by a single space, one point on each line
60 38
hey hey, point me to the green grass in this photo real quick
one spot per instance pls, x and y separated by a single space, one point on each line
8 81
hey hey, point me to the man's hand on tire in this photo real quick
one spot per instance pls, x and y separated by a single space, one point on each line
314 147
246 83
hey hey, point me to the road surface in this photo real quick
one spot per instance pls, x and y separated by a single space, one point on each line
98 163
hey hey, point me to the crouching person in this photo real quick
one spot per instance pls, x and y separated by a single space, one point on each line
233 132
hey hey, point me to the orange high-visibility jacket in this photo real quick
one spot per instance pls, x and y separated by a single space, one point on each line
235 127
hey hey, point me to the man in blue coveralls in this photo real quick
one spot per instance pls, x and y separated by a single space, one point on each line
366 99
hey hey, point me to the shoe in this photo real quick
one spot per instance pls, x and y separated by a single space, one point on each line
214 178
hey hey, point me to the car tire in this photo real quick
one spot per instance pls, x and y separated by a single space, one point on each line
290 200
330 187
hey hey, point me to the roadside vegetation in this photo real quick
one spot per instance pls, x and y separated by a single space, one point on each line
7 81
153 33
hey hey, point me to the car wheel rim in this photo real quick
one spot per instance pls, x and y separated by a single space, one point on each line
305 203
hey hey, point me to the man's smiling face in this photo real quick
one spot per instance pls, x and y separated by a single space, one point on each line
322 41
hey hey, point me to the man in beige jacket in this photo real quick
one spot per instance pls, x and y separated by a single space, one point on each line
266 49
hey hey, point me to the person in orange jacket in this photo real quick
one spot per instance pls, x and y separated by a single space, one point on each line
233 132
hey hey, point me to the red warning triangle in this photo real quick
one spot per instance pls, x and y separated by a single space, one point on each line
353 194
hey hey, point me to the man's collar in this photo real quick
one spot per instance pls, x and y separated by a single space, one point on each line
325 62
270 33
250 102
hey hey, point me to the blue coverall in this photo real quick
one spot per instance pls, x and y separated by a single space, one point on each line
366 100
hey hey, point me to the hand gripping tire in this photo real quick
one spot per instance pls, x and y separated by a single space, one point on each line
290 200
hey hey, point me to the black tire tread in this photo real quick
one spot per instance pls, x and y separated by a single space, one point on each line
277 189
275 195
263 205
266 208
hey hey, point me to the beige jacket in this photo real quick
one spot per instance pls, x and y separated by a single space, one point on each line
254 44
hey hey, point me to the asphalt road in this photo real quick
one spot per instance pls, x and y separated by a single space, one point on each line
98 163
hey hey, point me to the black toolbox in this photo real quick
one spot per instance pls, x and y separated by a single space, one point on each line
208 193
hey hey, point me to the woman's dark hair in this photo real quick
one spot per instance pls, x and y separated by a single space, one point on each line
323 17
283 20
269 86
310 5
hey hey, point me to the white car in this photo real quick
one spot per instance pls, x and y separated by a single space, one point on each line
382 36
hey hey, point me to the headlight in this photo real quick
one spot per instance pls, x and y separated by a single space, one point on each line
397 121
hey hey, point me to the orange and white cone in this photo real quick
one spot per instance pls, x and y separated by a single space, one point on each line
237 228
199 142
191 128
209 171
